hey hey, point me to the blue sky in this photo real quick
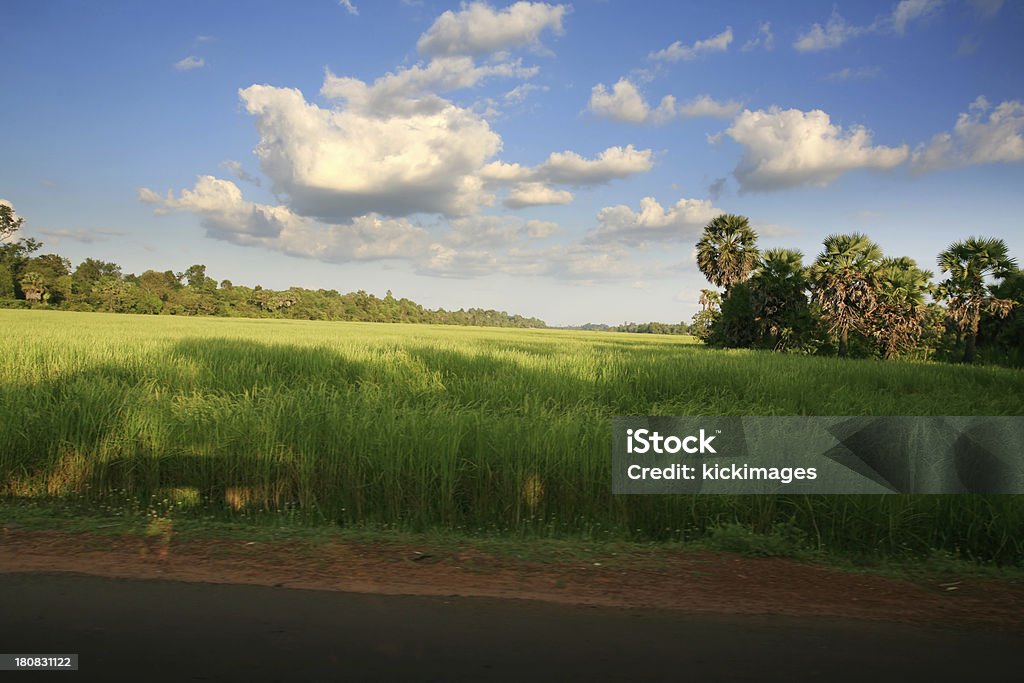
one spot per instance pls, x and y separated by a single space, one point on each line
554 160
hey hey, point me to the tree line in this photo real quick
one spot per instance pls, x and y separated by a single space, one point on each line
853 300
636 328
30 279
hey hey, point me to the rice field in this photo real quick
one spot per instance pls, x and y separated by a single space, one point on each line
479 430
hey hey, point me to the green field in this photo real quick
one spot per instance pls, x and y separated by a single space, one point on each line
479 431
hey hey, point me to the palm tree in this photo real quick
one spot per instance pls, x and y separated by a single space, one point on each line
898 320
779 293
727 252
33 287
968 264
844 280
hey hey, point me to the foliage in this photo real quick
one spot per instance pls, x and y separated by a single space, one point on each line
1002 337
97 285
782 311
901 308
10 222
735 326
844 282
471 430
969 264
727 251
704 320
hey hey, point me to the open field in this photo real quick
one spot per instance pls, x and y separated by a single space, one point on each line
469 429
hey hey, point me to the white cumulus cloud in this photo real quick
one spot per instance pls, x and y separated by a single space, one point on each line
479 29
228 216
414 90
787 148
982 135
681 222
335 164
536 194
569 168
626 103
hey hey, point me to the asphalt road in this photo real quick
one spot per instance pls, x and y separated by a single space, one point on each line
170 631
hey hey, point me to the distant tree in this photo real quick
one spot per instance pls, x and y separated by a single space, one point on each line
710 310
10 222
196 278
727 252
159 284
969 264
88 273
844 281
14 256
33 287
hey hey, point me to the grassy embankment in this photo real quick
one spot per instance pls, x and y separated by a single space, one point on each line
476 431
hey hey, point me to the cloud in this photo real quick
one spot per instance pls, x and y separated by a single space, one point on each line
471 246
861 73
703 105
414 90
717 188
682 222
969 44
495 231
479 29
987 8
235 168
536 194
536 229
625 103
911 10
765 39
189 63
335 164
569 168
226 215
84 235
677 51
349 7
836 32
518 94
579 262
788 148
485 231
976 138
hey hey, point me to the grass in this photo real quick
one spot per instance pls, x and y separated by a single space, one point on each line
474 431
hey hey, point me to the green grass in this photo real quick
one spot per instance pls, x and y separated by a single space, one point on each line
476 431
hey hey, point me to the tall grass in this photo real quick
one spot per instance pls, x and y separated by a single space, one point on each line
482 430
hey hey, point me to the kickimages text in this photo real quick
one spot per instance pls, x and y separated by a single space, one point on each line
645 441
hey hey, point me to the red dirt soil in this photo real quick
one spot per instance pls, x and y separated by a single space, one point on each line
691 581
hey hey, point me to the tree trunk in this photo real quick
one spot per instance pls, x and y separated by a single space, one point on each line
844 342
971 349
